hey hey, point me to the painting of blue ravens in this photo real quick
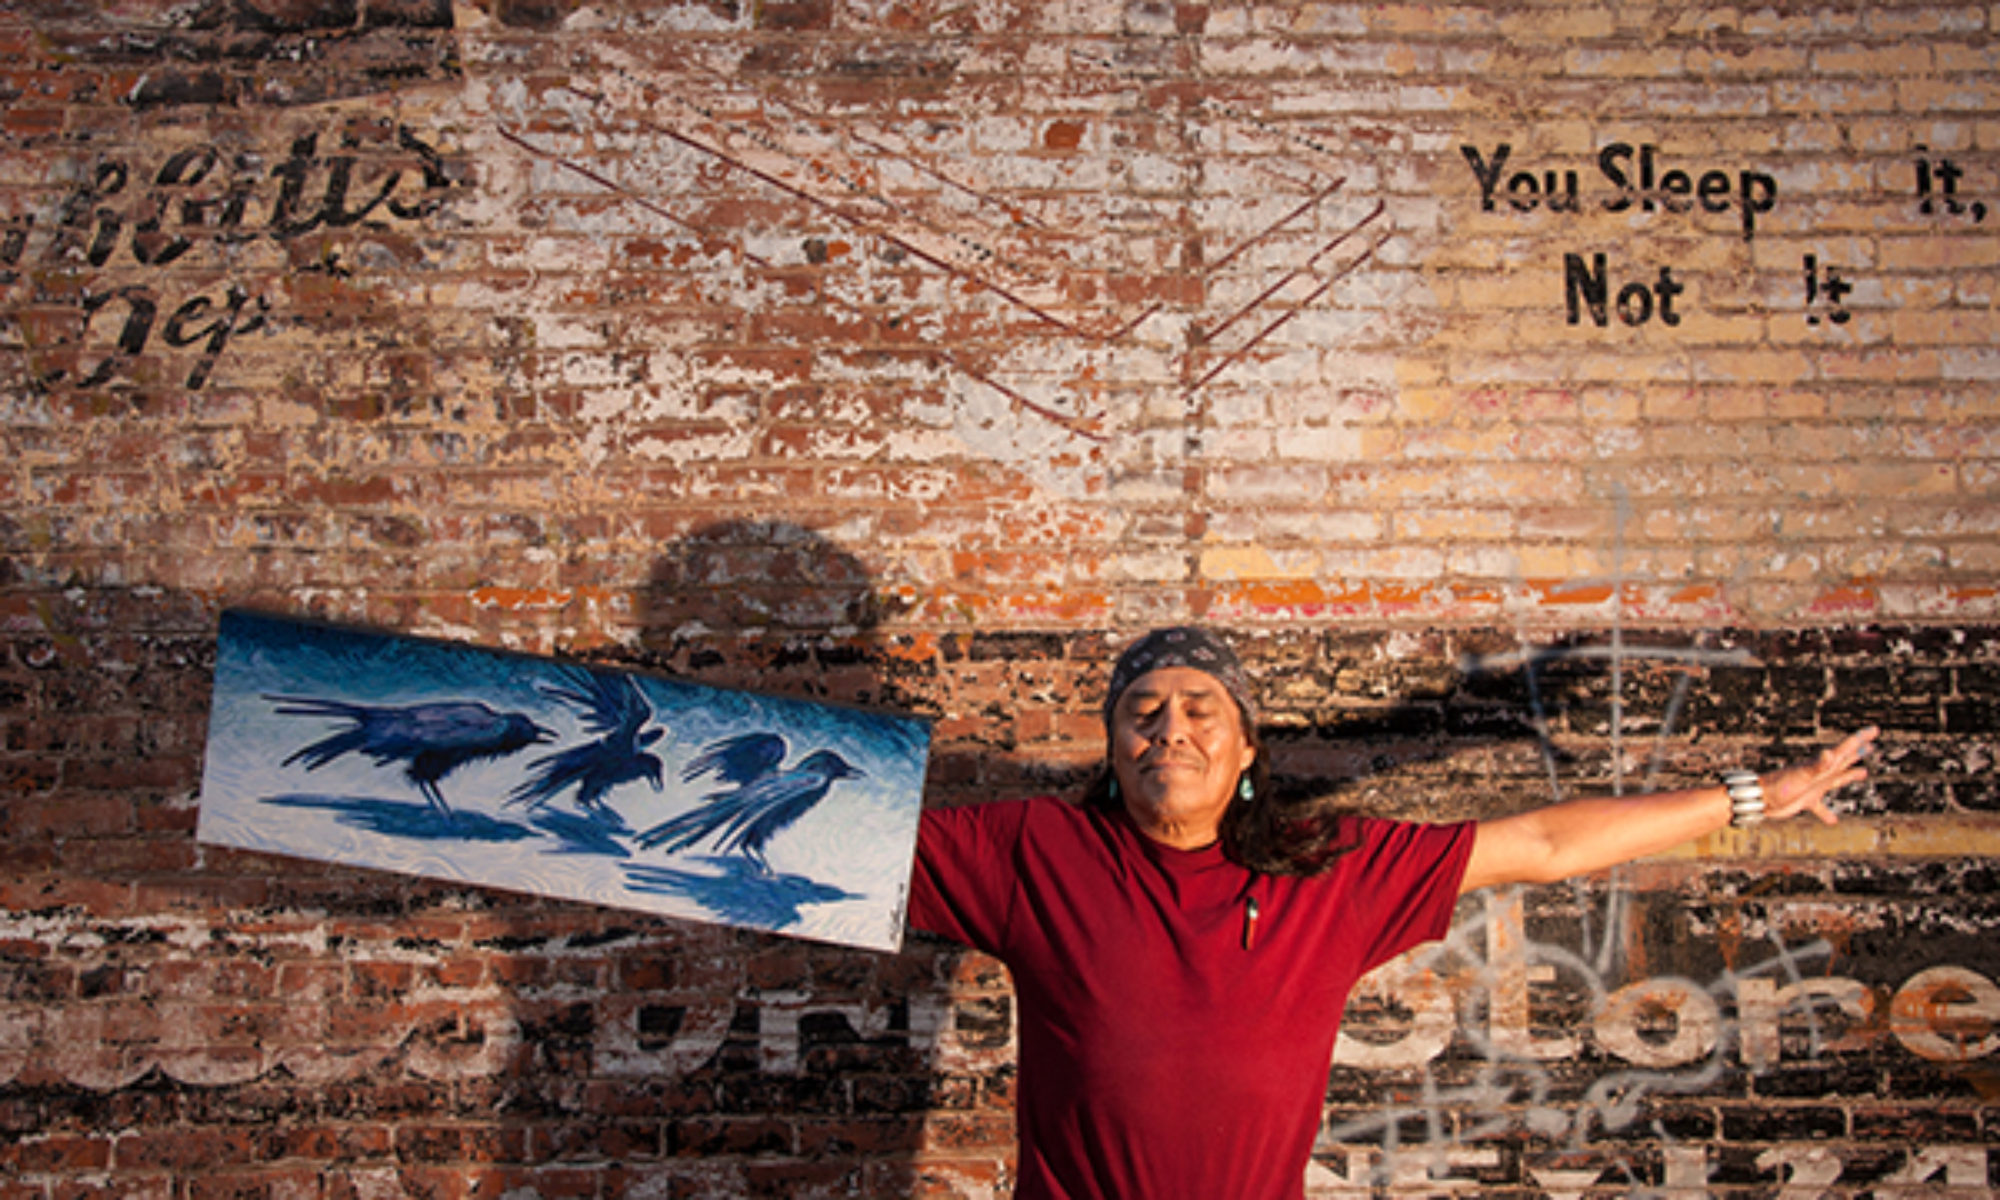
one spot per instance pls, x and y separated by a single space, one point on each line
585 783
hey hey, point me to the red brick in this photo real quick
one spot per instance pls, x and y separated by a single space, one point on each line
184 1151
469 1143
58 1154
264 1183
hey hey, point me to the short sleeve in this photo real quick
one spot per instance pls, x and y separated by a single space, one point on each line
963 882
1407 883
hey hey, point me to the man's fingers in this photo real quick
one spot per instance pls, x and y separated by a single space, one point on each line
1843 760
1856 746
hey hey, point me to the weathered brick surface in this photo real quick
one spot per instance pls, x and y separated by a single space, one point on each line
1555 398
209 1021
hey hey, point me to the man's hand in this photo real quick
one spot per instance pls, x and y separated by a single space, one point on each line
1806 786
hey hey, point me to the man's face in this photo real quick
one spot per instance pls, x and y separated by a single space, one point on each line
1177 749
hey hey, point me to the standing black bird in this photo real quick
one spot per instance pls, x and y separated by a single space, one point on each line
613 707
433 740
764 803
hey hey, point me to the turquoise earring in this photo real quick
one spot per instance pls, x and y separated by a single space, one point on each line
1244 791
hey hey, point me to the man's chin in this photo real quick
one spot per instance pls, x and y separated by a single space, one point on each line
1174 804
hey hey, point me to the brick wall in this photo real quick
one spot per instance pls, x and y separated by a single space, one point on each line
1551 397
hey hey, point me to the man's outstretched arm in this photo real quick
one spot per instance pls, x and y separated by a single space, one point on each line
1577 837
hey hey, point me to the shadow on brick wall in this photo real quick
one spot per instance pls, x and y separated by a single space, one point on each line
1463 724
179 1017
841 1072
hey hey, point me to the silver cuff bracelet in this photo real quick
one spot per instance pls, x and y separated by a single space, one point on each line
1746 797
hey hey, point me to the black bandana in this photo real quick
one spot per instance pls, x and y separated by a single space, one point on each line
1182 646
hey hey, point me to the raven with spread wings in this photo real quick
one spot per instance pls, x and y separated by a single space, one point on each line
766 799
613 708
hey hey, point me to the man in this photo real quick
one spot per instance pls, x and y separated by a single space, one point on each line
1181 959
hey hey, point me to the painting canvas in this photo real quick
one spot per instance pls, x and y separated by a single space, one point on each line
617 788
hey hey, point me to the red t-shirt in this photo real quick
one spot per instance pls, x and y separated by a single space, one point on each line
1164 1050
